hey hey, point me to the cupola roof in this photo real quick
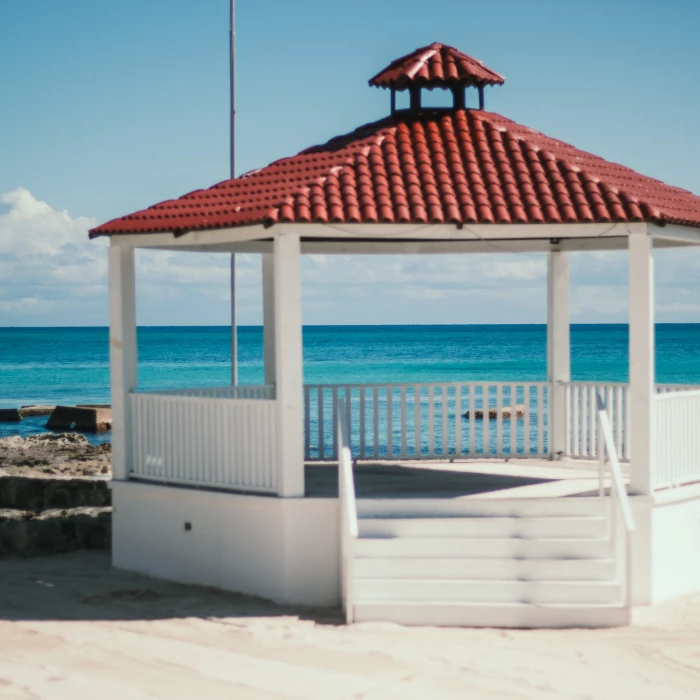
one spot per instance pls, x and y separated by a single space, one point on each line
433 66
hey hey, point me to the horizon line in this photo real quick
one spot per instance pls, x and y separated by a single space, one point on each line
358 325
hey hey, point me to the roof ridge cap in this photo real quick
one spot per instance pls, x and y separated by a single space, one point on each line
421 60
543 148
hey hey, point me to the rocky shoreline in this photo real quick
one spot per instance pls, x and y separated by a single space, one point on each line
54 495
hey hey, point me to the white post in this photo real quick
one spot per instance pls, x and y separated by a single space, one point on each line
289 364
558 349
268 289
234 327
122 353
641 350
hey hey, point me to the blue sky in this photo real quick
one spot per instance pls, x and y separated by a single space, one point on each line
110 107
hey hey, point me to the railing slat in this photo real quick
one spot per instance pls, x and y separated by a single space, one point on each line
389 423
307 423
486 412
499 420
472 420
592 418
444 410
513 420
403 422
375 419
334 423
416 419
540 420
321 426
363 452
431 420
458 420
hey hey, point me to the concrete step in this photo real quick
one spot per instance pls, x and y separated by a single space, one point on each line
475 507
445 591
527 527
515 615
482 548
486 569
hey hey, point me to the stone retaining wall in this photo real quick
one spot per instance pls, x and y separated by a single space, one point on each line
52 516
30 534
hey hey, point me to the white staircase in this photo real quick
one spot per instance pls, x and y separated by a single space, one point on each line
511 562
496 563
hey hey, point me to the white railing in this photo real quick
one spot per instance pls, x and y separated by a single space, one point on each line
583 436
348 511
619 500
676 439
241 391
429 421
223 443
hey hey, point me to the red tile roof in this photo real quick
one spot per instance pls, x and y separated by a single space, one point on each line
433 66
461 166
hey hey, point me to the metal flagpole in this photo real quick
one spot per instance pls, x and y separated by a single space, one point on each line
232 58
232 75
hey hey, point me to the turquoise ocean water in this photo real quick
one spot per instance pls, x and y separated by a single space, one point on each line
70 365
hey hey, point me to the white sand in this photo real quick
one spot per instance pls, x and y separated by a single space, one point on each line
72 628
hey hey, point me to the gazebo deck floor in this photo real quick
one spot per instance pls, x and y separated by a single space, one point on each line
472 479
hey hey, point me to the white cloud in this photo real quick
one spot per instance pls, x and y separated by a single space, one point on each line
51 274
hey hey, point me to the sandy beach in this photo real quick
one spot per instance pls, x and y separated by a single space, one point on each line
71 627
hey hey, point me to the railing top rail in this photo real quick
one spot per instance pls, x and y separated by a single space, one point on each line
408 385
179 398
677 385
622 496
681 394
181 390
576 382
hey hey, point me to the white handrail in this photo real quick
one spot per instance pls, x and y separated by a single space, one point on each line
618 496
348 511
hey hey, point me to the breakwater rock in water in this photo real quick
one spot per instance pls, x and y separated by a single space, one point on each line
10 415
35 410
83 417
493 412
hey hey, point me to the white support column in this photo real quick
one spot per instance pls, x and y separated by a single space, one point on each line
558 349
641 349
234 327
289 363
268 289
122 353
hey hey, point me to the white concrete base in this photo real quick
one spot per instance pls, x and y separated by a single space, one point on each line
285 550
675 543
666 545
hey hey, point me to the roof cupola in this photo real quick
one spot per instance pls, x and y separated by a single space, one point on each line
436 66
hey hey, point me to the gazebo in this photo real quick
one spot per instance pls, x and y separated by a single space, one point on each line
218 485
